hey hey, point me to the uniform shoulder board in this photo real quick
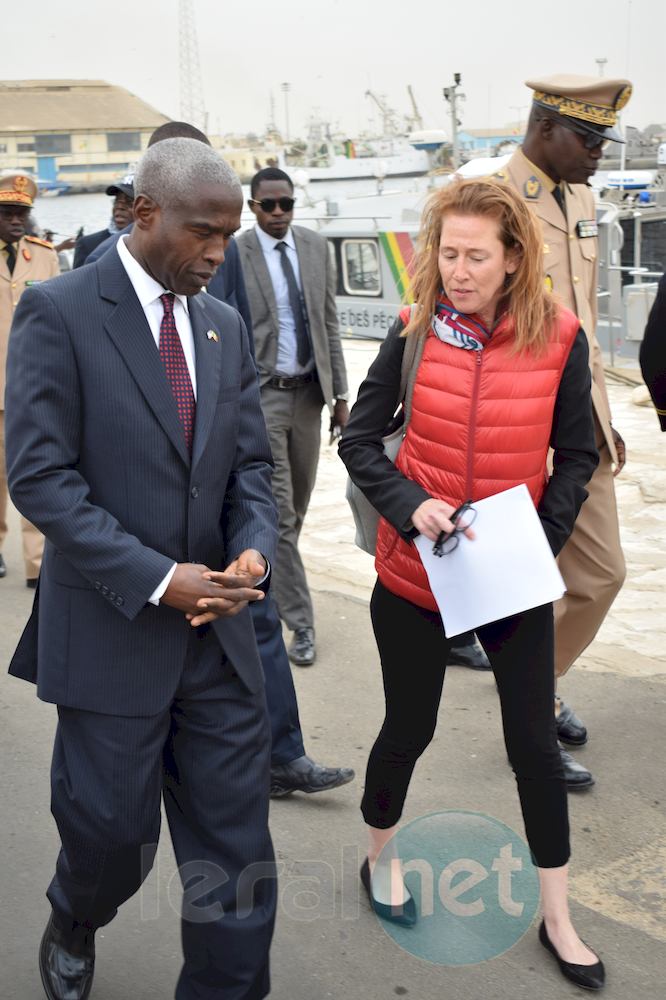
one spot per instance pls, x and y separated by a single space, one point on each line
41 243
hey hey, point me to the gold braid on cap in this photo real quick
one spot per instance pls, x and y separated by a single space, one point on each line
15 198
598 114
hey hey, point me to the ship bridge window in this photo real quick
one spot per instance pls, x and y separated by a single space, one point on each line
360 267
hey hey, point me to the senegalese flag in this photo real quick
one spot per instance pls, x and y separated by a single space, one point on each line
350 149
399 250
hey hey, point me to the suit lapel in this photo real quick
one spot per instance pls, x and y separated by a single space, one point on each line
263 278
129 330
208 360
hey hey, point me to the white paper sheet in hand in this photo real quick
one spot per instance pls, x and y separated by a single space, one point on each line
508 568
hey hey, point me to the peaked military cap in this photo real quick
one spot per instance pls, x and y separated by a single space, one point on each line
593 101
17 189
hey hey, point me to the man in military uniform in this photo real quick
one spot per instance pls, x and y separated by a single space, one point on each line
572 119
24 260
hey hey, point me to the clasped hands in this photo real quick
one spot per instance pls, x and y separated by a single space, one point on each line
205 594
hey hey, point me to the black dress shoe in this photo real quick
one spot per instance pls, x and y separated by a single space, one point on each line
3 568
302 648
304 775
466 652
67 960
570 729
576 776
589 977
31 583
405 914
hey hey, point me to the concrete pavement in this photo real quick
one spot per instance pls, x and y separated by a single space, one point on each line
618 836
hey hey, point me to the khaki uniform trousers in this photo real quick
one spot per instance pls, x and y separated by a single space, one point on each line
33 541
593 568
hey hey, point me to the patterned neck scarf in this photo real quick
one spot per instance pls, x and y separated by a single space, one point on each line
458 329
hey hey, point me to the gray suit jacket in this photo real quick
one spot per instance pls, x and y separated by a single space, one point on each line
96 459
318 281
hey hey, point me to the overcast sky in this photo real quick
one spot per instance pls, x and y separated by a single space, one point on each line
332 52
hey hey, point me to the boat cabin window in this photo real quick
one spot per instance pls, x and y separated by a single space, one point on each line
360 267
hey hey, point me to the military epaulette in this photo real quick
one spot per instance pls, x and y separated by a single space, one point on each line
42 243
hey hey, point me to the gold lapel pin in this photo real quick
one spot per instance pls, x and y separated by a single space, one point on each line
212 335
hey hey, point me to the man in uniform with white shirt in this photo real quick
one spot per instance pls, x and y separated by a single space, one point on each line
290 281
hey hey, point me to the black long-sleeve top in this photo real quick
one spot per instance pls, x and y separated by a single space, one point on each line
396 497
653 353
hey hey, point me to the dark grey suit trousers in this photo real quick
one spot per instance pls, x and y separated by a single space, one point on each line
206 754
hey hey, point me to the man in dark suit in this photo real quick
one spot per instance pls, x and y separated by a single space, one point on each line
292 769
135 442
653 353
290 283
122 193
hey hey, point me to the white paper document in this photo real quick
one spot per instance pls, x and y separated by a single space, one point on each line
507 568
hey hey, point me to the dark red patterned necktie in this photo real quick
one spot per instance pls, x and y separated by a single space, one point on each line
173 358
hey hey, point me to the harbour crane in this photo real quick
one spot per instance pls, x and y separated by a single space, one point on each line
415 122
389 117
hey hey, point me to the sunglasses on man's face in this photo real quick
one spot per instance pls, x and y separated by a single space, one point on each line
268 204
590 139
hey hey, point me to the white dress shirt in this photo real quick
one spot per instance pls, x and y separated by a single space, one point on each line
287 359
148 292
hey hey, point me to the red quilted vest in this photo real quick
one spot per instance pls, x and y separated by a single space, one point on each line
480 424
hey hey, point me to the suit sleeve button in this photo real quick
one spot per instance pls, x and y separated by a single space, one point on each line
194 492
119 601
98 585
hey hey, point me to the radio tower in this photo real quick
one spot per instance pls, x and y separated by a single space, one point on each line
192 107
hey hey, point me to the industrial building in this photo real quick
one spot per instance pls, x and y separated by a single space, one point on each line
82 134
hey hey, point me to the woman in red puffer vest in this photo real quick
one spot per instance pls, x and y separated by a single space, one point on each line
503 376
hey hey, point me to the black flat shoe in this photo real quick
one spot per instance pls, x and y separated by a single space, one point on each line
404 914
588 977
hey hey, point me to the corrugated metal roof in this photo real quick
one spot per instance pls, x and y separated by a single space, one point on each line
71 105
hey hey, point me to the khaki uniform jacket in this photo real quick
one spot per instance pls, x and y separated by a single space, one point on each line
35 261
570 266
319 282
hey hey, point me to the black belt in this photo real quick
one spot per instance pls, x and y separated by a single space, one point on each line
291 381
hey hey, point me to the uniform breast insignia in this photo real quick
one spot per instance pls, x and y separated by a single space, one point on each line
548 282
532 187
212 335
35 281
587 227
26 254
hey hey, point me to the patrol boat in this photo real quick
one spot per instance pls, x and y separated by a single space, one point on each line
372 241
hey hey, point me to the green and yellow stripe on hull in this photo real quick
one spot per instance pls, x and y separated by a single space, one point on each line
399 250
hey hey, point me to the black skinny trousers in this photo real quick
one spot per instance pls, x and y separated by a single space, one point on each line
413 650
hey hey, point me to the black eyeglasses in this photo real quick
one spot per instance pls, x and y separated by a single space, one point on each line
463 518
268 204
590 139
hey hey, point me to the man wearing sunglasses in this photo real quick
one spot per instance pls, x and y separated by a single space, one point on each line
290 283
571 121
